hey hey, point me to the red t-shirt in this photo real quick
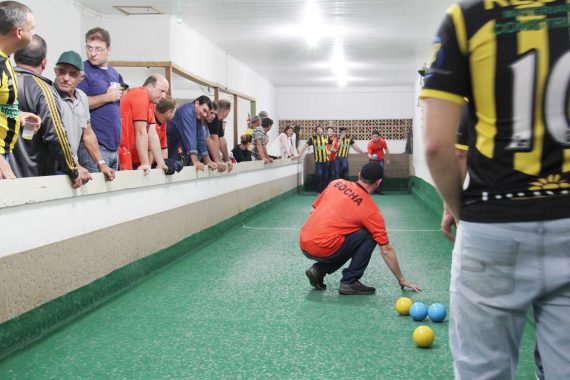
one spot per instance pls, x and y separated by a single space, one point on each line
332 156
343 208
135 106
377 148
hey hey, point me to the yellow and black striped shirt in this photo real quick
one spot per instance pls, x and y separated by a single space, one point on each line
344 146
319 144
513 61
9 112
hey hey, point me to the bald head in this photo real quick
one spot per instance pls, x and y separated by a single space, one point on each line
156 86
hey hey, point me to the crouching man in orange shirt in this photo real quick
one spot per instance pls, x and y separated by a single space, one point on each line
345 224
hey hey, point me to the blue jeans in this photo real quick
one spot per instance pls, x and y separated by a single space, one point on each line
498 273
357 246
381 163
331 171
322 173
341 167
111 158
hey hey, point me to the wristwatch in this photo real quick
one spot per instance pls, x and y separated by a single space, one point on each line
100 162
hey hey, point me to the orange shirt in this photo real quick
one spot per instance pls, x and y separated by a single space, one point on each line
343 208
377 148
332 156
135 106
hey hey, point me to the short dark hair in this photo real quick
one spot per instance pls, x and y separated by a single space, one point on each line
98 34
214 106
267 122
342 129
330 128
317 128
203 99
150 80
224 105
166 105
33 54
12 15
375 133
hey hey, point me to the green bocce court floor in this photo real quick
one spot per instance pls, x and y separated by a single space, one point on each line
242 308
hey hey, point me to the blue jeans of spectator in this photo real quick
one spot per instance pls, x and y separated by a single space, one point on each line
7 158
322 173
331 171
340 167
381 163
357 246
499 271
111 158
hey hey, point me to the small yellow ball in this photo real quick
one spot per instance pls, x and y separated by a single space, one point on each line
403 305
424 336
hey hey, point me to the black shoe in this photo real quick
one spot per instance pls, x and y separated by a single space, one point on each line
316 278
355 288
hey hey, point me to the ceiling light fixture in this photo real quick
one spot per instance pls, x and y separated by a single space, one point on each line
137 10
339 64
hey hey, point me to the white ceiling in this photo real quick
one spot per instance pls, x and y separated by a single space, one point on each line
385 42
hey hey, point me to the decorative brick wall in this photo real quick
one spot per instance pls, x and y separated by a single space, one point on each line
390 129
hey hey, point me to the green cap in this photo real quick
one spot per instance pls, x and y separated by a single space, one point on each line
71 58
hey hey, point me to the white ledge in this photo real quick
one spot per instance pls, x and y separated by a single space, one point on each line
23 191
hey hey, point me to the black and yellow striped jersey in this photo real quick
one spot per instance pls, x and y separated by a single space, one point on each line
344 146
319 143
512 60
9 112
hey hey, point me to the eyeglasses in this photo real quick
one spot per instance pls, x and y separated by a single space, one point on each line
96 50
72 74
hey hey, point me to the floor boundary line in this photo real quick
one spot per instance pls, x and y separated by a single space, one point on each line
298 229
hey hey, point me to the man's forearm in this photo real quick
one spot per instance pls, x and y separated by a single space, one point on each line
389 256
92 146
154 145
224 148
260 149
97 101
441 119
213 147
141 141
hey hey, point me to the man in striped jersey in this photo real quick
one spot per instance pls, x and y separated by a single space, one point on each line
341 163
16 31
319 143
49 148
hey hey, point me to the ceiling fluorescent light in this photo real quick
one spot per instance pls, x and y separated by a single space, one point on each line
312 24
137 10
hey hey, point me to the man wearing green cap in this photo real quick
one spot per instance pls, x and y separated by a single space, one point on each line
75 112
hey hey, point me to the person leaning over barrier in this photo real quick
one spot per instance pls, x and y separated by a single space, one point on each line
185 131
49 147
346 224
259 137
16 31
75 112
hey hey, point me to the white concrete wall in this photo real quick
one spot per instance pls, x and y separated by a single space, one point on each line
420 164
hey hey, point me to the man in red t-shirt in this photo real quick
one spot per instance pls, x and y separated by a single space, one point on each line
345 224
333 148
139 125
377 147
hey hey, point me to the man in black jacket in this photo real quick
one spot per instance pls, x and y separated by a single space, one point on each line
49 148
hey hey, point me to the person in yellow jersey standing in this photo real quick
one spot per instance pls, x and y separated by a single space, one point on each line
16 31
345 224
319 143
512 246
341 162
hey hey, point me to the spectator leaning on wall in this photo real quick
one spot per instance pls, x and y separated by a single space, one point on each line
217 138
49 148
185 131
75 112
139 125
163 113
16 31
103 89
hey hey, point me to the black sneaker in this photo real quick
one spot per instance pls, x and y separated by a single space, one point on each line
316 278
355 288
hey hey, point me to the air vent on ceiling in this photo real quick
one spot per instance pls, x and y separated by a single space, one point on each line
138 10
